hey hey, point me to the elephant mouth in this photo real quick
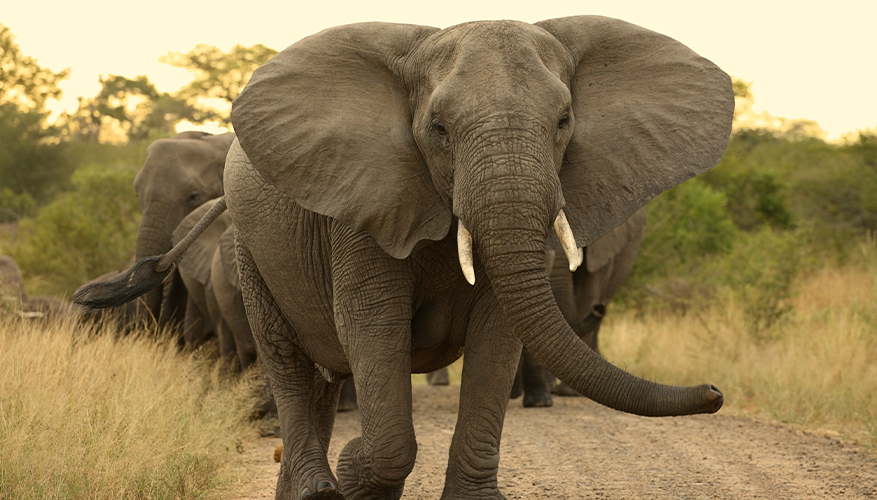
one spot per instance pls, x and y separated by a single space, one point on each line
575 255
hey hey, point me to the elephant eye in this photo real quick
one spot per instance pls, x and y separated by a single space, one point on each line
564 122
193 198
439 129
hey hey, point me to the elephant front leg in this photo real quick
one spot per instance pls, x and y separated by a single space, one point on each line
489 368
305 400
373 313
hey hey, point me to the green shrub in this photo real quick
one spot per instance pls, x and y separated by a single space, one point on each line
760 271
14 206
82 234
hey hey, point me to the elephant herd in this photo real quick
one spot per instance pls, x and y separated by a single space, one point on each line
399 195
205 295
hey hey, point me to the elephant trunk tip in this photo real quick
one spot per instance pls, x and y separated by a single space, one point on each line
714 398
141 278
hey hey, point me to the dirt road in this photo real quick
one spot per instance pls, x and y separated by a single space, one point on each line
581 450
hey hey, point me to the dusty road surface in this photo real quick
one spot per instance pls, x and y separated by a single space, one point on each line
579 449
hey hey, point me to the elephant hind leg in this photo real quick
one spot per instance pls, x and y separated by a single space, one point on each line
305 400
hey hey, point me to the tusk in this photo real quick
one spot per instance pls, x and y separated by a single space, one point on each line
464 251
568 241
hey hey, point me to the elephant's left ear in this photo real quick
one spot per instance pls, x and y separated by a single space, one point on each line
327 121
650 113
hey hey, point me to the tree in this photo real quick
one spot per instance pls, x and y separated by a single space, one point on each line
218 75
128 109
23 82
30 157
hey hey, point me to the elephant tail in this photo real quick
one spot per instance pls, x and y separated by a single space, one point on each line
147 273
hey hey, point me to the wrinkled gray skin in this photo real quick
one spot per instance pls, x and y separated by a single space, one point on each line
583 297
180 173
215 305
14 295
364 147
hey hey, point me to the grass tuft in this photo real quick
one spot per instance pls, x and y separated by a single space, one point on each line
88 415
817 368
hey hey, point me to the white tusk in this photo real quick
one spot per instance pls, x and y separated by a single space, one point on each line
568 241
464 252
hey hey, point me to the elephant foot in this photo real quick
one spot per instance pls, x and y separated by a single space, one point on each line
349 476
538 400
492 494
324 490
563 390
438 377
347 400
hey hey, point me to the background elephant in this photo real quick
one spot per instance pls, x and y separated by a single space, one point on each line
14 297
203 314
583 297
376 161
179 174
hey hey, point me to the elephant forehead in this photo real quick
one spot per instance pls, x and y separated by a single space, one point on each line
496 49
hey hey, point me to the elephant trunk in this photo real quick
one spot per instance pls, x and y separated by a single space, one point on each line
509 228
154 238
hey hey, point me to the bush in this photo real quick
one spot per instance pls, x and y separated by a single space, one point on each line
760 272
686 226
14 206
82 234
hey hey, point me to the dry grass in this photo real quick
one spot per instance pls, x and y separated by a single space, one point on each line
90 416
818 368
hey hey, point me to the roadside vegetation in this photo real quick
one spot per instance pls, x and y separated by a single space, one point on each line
84 414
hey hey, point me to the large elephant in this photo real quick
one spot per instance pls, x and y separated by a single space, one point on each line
373 158
179 174
583 297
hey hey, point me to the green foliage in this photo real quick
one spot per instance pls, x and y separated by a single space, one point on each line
83 233
30 160
685 224
14 206
760 272
218 75
756 199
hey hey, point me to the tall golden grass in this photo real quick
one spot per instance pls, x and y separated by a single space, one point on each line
85 415
817 368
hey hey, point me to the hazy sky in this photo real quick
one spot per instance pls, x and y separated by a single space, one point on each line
806 62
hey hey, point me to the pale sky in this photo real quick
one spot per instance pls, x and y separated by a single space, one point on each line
818 63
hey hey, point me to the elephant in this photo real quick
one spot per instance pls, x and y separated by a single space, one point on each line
203 314
583 297
14 295
179 174
374 162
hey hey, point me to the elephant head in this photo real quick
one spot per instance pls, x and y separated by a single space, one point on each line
180 173
507 127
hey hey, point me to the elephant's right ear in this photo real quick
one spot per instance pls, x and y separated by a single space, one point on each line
327 121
